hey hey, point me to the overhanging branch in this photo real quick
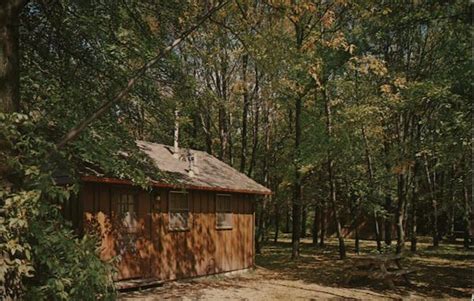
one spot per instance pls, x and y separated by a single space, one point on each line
79 128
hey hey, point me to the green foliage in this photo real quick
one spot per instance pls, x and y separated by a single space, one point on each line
41 259
67 267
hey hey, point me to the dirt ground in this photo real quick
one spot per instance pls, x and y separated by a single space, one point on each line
444 273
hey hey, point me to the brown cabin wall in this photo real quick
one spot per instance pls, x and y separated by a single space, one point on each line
164 254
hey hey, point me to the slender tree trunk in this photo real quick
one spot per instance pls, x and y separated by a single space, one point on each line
316 221
434 203
377 232
222 121
230 139
297 184
452 206
304 217
208 133
467 216
388 220
435 223
414 195
414 238
323 222
388 199
332 181
257 103
205 116
356 241
243 155
277 222
441 197
9 56
287 224
332 197
356 230
401 213
451 219
261 225
370 170
354 210
266 182
414 205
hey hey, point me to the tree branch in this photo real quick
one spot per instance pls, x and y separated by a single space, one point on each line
78 129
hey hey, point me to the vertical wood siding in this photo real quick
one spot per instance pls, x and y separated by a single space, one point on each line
161 253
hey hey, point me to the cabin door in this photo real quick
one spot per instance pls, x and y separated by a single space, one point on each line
132 235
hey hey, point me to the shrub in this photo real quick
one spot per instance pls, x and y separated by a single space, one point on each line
40 257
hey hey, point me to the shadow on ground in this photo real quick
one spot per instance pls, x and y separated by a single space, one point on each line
443 272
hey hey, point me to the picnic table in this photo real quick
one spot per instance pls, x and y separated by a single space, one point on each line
379 267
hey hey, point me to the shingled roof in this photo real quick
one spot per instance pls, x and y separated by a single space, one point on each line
204 172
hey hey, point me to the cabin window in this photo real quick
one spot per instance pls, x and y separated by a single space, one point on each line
178 211
223 211
127 211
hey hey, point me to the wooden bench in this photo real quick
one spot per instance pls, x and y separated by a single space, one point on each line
384 268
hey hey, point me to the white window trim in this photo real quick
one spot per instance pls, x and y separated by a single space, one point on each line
232 214
187 228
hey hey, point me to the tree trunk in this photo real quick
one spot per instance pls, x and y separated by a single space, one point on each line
388 220
467 216
259 237
332 190
452 206
332 180
266 180
9 56
245 110
354 211
323 223
356 238
401 213
451 219
205 116
295 239
304 217
388 199
257 104
277 222
414 204
370 171
377 232
207 127
434 203
288 218
414 238
316 224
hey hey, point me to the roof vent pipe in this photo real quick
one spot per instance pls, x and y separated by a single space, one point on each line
176 134
192 161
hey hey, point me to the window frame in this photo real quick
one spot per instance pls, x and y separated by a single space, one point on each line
224 227
130 229
188 211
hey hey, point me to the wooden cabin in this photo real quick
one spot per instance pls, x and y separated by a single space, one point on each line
201 223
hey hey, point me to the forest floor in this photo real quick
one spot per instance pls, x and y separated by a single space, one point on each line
446 272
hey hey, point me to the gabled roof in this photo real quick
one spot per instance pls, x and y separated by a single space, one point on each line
205 172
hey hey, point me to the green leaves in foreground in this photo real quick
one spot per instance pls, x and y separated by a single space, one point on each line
41 258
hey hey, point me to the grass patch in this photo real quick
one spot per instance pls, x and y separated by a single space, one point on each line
446 271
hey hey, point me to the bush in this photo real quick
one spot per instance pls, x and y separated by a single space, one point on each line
41 258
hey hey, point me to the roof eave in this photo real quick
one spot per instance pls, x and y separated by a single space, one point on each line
110 180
